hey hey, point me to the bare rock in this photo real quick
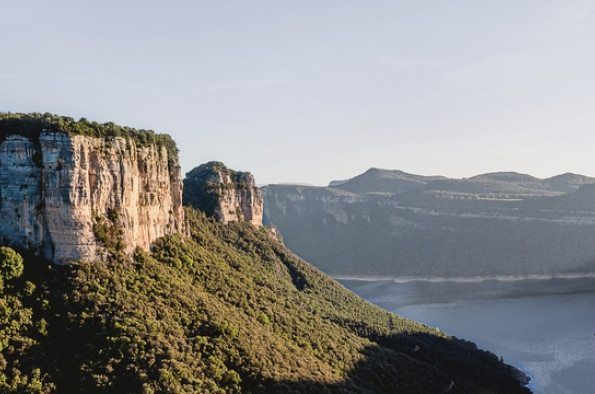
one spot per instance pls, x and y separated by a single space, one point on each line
55 185
225 194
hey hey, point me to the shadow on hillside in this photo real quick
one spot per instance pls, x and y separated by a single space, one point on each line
418 363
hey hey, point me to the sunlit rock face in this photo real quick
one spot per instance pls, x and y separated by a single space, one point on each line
241 201
54 186
225 194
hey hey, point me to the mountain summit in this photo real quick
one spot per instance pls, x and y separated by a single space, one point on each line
384 181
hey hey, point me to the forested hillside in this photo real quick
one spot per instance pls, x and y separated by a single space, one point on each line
228 309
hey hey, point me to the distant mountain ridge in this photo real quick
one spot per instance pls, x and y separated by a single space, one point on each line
395 181
384 181
388 222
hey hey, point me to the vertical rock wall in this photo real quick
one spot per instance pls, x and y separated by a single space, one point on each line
239 199
223 193
53 187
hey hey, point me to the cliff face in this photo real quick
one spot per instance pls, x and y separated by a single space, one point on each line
54 186
239 199
223 193
394 224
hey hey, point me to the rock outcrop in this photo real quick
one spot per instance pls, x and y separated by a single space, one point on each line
54 186
224 194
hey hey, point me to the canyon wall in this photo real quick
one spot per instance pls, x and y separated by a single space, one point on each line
54 186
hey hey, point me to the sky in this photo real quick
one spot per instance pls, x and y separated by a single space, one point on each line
314 91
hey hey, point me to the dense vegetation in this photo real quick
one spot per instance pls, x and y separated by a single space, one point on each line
228 309
32 124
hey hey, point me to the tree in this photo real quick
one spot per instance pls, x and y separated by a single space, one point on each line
11 263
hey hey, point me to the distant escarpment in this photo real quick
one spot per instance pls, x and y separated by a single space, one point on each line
390 223
227 195
60 179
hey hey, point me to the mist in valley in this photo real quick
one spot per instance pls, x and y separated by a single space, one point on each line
545 327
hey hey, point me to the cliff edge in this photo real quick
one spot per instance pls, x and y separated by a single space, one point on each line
223 193
56 183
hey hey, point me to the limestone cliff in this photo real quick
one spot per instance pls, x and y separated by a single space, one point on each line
223 193
54 185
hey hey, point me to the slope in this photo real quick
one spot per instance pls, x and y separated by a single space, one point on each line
229 309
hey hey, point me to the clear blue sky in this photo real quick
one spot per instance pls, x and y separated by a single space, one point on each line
311 91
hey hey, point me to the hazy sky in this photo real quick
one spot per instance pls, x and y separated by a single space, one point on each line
311 91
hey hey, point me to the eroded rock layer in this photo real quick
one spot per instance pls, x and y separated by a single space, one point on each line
54 186
223 193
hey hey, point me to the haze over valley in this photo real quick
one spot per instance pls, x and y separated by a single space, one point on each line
390 223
